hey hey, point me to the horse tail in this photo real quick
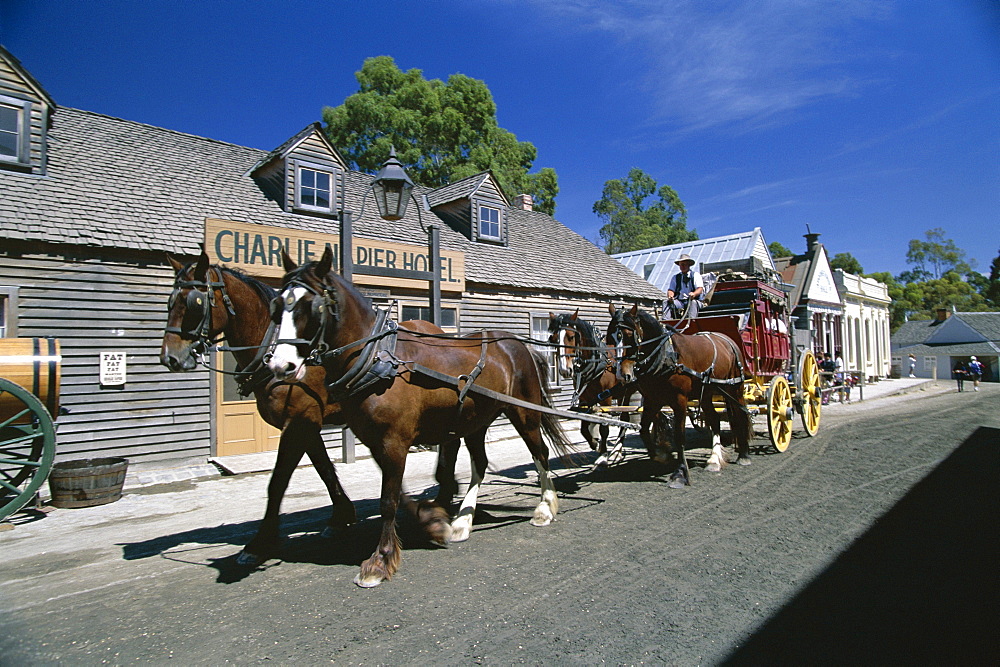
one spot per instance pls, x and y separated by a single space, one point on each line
551 426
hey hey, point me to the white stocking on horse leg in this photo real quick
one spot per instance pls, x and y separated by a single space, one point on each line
547 509
461 527
718 459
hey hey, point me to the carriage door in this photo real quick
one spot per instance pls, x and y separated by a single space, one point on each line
239 429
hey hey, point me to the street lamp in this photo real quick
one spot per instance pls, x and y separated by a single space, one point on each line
392 187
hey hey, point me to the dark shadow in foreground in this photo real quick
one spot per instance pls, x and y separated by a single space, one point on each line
920 587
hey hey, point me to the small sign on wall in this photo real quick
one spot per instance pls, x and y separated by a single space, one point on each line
112 369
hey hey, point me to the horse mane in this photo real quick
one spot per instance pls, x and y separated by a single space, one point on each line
588 332
302 272
263 290
649 323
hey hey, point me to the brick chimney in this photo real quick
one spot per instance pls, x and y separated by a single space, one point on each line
525 202
943 314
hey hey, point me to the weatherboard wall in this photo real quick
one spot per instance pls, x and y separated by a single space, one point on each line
110 301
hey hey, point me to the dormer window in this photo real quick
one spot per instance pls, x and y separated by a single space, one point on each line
489 223
14 129
314 189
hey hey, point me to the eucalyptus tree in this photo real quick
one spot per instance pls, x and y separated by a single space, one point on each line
442 131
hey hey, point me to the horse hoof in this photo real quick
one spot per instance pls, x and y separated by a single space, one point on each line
713 467
743 461
247 559
601 462
677 483
543 517
368 582
440 533
459 534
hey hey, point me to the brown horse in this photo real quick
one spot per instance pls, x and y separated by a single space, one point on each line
584 357
394 388
671 368
212 301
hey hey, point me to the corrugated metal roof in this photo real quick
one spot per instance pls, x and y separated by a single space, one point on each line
704 251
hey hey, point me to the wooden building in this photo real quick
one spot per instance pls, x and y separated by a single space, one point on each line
89 205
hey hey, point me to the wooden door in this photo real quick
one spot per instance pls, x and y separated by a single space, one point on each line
239 429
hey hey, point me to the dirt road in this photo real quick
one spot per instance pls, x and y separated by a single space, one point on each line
872 543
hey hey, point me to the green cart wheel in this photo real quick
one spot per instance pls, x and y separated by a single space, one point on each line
27 447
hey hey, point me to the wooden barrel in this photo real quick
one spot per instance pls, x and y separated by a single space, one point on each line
35 364
87 482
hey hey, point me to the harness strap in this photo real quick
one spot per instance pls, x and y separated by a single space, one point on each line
471 377
375 363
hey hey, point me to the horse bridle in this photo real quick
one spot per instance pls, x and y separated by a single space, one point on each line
585 369
324 307
615 334
199 302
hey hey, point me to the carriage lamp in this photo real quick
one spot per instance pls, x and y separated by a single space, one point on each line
392 188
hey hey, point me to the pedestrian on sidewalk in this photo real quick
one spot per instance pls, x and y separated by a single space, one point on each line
959 374
838 376
975 372
913 366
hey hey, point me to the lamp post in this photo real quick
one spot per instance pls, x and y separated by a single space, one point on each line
393 189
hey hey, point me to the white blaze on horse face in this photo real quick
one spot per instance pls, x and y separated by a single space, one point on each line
565 364
286 363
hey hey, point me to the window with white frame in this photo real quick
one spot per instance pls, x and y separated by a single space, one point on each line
13 129
540 331
8 312
314 189
449 316
489 223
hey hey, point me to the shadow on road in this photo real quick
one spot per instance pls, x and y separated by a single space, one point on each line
920 587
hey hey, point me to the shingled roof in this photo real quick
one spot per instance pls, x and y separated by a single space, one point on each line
121 184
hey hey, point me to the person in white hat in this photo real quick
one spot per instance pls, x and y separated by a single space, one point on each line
975 369
685 290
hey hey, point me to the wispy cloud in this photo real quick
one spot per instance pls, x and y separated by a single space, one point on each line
739 64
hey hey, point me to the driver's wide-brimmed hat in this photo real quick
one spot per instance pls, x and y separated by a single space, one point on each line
684 258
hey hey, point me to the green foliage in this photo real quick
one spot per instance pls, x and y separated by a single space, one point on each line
847 262
778 250
992 291
917 300
934 257
632 224
442 131
940 278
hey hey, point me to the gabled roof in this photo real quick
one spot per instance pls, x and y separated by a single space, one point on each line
120 184
282 151
465 188
961 329
25 75
702 251
811 275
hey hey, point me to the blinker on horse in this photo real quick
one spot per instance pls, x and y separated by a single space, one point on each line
670 368
395 389
212 301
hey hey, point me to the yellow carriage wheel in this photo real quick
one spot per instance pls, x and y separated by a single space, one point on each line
812 393
779 413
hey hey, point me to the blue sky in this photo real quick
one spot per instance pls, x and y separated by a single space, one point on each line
871 122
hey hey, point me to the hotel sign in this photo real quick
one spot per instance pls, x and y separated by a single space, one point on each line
256 249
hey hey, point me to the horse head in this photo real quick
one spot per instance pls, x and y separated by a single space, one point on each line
564 331
197 312
628 331
302 313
